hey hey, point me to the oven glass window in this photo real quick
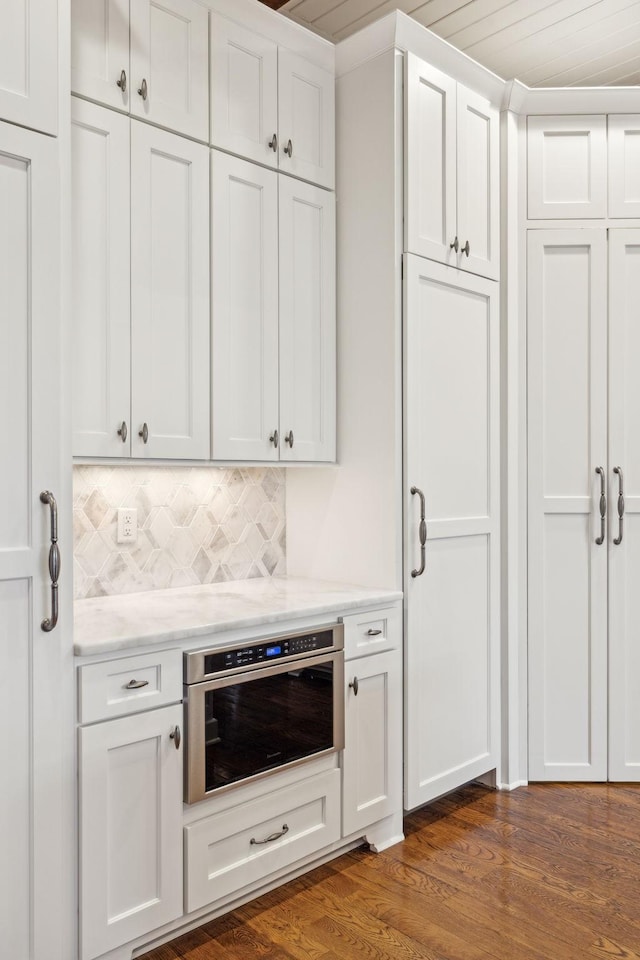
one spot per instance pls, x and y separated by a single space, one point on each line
259 724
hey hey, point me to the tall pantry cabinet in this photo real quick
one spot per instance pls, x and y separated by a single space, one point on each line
419 384
36 796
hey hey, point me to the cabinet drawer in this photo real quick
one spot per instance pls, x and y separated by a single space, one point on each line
114 688
366 633
234 849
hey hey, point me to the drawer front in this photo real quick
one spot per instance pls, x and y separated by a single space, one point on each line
366 633
245 844
114 688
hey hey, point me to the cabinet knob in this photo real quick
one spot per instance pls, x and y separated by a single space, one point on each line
354 686
289 149
455 245
143 89
466 249
274 438
122 82
289 438
122 432
176 737
144 433
273 143
136 684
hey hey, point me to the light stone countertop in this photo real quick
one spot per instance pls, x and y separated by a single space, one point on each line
109 624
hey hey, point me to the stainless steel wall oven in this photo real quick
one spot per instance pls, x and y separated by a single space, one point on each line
262 706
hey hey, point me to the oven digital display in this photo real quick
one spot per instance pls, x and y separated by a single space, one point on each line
273 651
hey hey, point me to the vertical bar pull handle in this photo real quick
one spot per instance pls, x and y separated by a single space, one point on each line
603 507
618 540
422 532
49 623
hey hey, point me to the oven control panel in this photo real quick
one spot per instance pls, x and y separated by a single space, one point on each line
261 653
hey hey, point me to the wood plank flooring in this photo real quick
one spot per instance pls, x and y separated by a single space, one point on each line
547 872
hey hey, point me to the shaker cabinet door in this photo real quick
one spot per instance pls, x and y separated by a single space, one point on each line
306 120
29 63
244 289
478 180
307 322
169 295
101 309
100 51
170 65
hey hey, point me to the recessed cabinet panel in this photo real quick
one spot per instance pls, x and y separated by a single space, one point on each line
567 167
170 65
306 115
478 184
100 51
29 64
624 166
430 161
100 212
169 295
307 322
244 92
245 309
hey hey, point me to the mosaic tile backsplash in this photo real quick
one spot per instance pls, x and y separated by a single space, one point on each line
195 525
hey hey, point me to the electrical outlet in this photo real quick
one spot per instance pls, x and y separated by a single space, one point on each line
127 525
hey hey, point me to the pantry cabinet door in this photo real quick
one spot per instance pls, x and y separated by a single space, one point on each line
100 51
170 65
35 865
624 166
244 92
567 167
306 120
169 295
307 322
452 586
624 534
29 63
101 295
244 291
130 776
478 197
430 162
567 562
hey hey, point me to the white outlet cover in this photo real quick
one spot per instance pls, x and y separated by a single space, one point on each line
127 525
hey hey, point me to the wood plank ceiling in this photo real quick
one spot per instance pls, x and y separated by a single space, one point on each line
553 43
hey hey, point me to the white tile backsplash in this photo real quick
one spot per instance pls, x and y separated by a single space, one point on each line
195 525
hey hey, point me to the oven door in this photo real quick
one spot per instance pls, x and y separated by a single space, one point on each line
247 725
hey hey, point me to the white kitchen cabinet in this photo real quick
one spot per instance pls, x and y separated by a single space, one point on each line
270 105
101 342
147 58
623 140
452 538
372 759
29 64
36 867
130 828
452 188
273 349
140 201
567 167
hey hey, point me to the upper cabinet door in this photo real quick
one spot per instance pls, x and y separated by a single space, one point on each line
29 63
169 295
100 51
244 92
307 322
101 290
306 120
478 193
244 285
567 161
624 166
430 162
170 65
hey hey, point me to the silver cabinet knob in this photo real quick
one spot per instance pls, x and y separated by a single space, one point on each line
288 438
122 82
144 433
136 684
289 149
123 432
143 89
176 737
354 686
273 143
274 438
455 245
466 249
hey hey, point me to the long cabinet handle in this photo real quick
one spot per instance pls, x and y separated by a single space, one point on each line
422 532
271 837
49 623
618 470
603 507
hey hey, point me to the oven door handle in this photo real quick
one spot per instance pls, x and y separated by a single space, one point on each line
271 837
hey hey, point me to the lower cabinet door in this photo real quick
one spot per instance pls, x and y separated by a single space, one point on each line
130 828
245 844
372 762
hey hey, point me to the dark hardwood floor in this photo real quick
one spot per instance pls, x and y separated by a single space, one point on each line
548 872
